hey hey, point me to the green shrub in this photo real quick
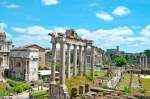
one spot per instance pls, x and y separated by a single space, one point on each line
104 86
89 77
127 90
13 83
143 90
40 68
57 66
75 77
18 89
26 87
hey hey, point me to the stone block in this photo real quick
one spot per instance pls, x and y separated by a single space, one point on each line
106 93
74 92
87 88
81 89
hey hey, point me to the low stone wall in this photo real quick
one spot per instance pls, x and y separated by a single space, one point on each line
143 71
87 91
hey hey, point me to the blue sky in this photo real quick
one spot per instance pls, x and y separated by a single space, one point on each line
108 22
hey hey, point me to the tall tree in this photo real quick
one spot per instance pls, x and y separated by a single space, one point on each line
120 61
147 52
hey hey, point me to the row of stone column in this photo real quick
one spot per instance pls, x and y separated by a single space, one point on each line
82 67
143 62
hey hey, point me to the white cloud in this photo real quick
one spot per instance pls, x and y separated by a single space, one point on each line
105 16
20 30
3 25
13 6
32 19
93 4
59 29
49 2
133 45
112 36
82 31
135 27
146 31
121 10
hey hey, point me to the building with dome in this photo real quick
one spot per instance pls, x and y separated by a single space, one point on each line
5 47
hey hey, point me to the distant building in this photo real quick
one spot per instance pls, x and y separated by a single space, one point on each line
113 51
41 53
24 64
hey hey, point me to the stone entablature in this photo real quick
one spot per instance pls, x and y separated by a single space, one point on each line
24 64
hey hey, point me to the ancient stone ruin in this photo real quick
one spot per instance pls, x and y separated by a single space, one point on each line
69 38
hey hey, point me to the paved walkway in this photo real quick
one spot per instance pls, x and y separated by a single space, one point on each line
113 82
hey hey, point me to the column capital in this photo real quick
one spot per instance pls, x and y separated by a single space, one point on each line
62 42
68 44
74 45
80 46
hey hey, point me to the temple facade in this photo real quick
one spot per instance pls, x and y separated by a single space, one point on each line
5 47
24 64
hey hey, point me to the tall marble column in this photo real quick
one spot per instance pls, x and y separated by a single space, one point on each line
85 60
52 77
26 74
92 61
143 62
75 60
100 60
80 61
62 65
140 62
68 61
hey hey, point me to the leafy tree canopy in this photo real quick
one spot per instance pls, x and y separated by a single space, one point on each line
48 53
120 61
147 52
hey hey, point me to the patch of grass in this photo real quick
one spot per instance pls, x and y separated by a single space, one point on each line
3 85
143 90
40 95
100 74
124 82
127 90
4 92
76 82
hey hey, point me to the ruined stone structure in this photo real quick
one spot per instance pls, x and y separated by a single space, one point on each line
5 47
98 56
70 38
24 64
143 61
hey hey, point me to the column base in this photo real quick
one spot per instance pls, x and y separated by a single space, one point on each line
52 82
64 87
26 77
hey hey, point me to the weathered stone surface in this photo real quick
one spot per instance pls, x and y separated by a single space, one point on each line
81 89
87 88
74 92
106 93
